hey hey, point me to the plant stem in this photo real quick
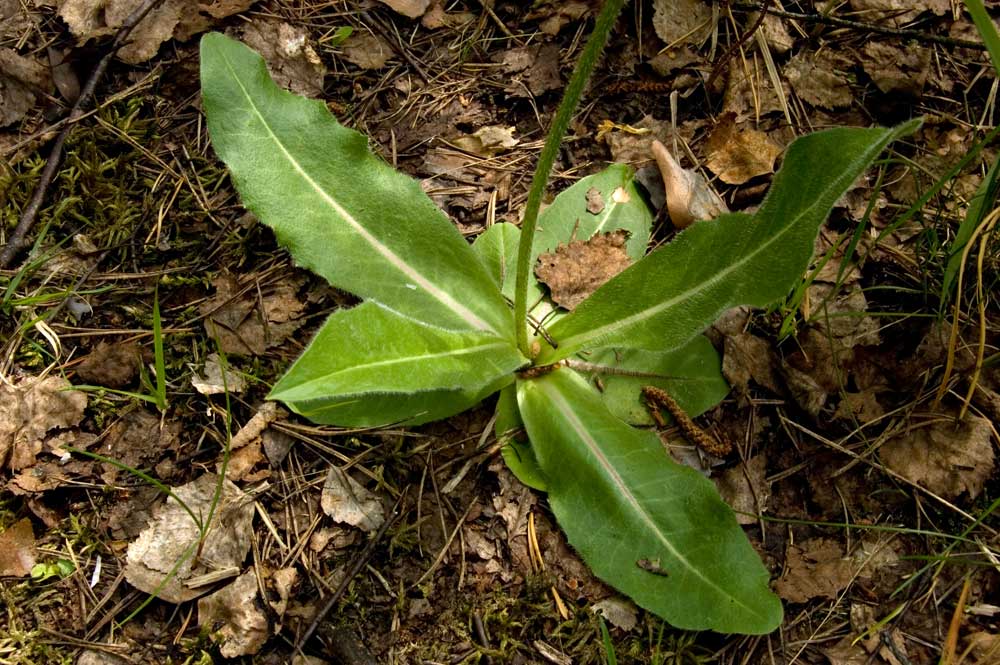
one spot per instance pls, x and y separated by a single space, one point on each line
577 82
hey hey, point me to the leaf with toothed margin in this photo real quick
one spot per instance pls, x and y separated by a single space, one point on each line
341 211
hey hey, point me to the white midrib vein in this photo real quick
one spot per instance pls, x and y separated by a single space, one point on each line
623 491
402 361
575 342
436 292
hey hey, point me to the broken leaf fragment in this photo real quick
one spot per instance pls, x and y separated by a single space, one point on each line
30 409
345 500
575 270
234 618
17 549
161 560
689 196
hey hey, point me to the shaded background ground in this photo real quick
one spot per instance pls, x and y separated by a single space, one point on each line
856 483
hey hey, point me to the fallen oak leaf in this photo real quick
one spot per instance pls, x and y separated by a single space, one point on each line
689 196
17 549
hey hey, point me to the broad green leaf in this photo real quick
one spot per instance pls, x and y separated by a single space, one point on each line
516 450
652 528
382 409
341 212
497 249
675 292
365 361
568 219
692 374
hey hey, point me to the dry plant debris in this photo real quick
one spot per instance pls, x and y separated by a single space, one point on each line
290 56
408 8
216 380
30 409
576 269
680 22
17 549
166 559
233 617
946 457
815 568
181 19
737 155
367 50
248 321
347 501
22 81
689 196
114 365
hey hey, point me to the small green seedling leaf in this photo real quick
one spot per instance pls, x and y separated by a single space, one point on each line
691 374
733 260
341 212
368 366
650 527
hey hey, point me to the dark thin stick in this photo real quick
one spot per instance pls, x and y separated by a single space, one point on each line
722 64
19 238
355 568
867 27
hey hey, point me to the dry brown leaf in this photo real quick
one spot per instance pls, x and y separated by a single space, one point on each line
816 79
232 617
408 8
22 81
90 19
138 440
750 92
558 15
745 489
243 461
897 69
212 383
689 196
537 69
619 612
682 21
367 51
17 549
815 568
488 141
345 500
282 581
29 410
154 554
738 155
575 270
290 57
946 458
745 357
240 328
112 365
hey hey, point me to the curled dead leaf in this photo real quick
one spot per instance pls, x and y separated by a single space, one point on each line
689 196
345 500
17 549
232 615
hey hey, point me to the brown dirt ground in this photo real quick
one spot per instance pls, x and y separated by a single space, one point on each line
858 482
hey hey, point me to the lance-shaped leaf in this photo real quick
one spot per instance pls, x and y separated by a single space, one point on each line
369 366
516 448
652 528
341 212
675 292
692 374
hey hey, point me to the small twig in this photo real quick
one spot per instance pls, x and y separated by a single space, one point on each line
19 238
359 562
867 27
